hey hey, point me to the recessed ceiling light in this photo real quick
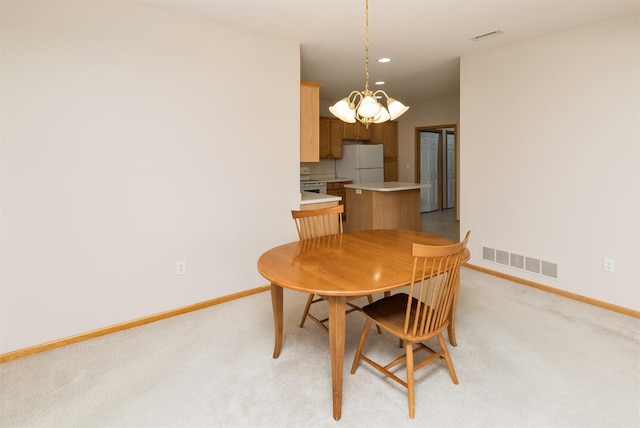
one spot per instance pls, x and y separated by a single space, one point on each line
487 35
384 60
380 82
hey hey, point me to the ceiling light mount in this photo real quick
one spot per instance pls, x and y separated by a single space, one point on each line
362 105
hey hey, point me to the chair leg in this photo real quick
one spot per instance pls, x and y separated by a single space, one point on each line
306 310
370 299
410 390
447 358
363 339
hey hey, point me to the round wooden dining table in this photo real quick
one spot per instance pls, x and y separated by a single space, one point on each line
340 266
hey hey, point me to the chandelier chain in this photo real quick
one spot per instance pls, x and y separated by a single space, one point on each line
366 47
364 106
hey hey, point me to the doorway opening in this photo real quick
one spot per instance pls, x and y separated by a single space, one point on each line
436 158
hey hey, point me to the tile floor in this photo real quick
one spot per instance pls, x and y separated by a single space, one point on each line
441 223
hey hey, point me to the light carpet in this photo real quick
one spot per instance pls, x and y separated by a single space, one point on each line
525 358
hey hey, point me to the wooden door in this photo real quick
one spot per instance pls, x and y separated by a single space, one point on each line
429 170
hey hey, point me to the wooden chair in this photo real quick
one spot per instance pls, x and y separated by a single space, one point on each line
319 222
418 316
315 224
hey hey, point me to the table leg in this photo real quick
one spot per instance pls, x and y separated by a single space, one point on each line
276 303
451 329
336 346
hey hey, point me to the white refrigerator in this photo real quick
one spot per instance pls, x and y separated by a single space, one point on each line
361 163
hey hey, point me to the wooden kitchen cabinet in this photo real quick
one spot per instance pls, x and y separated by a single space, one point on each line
325 139
390 138
390 169
331 133
390 206
337 189
387 134
357 131
309 121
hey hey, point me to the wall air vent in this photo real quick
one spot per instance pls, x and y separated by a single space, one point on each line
532 265
502 257
517 261
489 254
550 269
486 35
520 262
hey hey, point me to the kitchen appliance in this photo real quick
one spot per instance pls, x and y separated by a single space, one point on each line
308 185
314 187
361 163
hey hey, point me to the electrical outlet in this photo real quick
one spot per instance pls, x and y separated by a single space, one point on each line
181 267
609 265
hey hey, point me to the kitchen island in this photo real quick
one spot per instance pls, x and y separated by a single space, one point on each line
388 205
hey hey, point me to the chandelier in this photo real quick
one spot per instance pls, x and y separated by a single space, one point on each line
363 106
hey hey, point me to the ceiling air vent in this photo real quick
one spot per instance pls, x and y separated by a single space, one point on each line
486 35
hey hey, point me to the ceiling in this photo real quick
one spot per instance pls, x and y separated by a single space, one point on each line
424 38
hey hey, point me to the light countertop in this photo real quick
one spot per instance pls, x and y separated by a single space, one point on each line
388 186
316 198
330 180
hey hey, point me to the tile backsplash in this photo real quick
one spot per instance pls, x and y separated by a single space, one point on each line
326 168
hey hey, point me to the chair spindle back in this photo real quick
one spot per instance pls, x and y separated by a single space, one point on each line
435 274
319 222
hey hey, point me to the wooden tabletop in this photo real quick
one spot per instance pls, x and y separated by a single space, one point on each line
337 267
349 264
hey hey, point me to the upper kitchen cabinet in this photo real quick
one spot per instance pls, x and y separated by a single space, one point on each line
309 121
331 134
386 133
357 131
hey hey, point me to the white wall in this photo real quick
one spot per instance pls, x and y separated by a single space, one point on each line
550 156
132 138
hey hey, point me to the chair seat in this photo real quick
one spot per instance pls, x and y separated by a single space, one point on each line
390 309
390 313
